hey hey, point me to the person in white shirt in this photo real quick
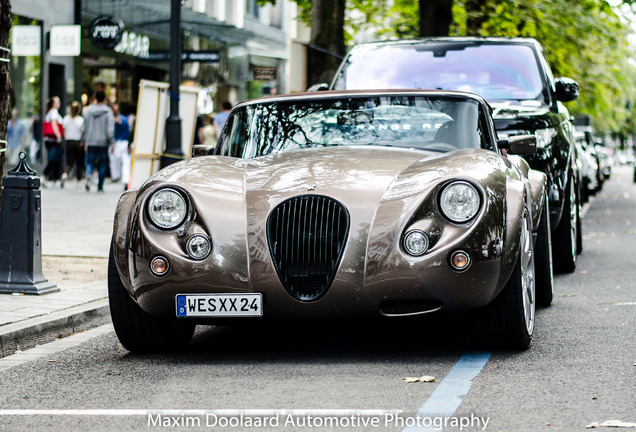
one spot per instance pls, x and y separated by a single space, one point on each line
75 151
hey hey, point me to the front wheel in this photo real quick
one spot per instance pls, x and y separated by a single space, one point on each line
510 317
138 331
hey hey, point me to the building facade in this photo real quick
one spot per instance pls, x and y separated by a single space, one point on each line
232 49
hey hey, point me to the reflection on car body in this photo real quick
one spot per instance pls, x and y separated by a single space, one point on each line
514 77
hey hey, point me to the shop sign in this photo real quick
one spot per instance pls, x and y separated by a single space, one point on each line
264 73
105 32
187 56
26 40
134 45
66 40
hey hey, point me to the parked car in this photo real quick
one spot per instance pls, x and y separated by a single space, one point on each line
590 172
336 205
514 77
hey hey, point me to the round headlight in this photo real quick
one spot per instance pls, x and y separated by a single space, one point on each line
415 243
460 201
167 208
198 246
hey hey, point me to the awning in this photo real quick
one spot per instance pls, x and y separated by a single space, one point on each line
152 17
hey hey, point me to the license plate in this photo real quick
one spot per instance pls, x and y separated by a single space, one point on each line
220 305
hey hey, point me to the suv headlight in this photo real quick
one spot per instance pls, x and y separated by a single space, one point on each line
544 137
460 201
167 208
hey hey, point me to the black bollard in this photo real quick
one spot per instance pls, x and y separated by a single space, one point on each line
21 233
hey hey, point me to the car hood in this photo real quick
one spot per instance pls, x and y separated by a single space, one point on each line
523 115
357 176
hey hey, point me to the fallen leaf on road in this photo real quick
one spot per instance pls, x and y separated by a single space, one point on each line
611 423
425 378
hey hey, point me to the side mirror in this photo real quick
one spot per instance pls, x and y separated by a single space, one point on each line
318 87
566 89
202 150
519 144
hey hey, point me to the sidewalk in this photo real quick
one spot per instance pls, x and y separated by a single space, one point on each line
76 232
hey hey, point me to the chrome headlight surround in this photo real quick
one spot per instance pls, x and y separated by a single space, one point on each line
415 243
459 201
167 208
198 246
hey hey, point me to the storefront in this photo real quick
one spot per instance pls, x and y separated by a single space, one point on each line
142 30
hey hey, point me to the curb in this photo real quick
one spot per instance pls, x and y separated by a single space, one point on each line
42 329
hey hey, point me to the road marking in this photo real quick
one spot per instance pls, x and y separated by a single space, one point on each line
447 397
53 347
201 412
621 304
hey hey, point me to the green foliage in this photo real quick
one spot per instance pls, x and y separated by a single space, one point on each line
583 39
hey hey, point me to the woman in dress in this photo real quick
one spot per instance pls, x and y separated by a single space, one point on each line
54 143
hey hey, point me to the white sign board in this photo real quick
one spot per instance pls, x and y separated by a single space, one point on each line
26 40
66 40
153 109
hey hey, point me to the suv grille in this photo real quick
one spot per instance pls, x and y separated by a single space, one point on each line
307 236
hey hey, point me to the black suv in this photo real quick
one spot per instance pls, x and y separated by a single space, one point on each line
514 77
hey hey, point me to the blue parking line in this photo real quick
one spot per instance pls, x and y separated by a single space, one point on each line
447 397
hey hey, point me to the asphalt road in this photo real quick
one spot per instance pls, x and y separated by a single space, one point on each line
580 369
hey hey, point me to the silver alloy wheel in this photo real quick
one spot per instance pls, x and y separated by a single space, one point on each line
527 273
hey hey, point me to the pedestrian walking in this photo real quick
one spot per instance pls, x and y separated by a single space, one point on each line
53 141
220 118
16 138
75 152
98 135
119 151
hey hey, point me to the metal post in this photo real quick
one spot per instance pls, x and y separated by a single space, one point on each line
173 151
21 232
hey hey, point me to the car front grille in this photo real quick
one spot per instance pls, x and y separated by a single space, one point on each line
307 236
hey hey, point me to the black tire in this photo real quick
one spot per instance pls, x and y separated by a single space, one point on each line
579 230
543 259
510 317
138 331
564 246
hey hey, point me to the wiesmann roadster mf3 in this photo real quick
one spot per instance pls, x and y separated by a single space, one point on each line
336 206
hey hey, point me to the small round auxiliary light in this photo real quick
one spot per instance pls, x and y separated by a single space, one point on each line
159 266
415 243
460 260
198 246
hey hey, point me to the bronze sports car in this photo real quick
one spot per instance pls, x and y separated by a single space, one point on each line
336 205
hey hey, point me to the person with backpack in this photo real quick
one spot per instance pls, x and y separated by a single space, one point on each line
98 136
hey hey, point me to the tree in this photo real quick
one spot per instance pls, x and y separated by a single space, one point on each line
435 17
327 39
327 44
5 81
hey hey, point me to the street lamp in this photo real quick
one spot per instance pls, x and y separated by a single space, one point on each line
173 151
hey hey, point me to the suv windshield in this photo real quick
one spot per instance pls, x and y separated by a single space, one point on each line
497 72
437 123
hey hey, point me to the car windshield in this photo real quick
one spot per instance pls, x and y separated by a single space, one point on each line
437 123
497 72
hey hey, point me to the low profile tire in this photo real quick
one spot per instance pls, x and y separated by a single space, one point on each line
543 259
565 236
579 230
138 331
510 317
